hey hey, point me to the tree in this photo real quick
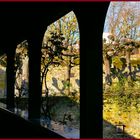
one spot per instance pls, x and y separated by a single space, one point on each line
60 47
51 55
122 22
21 71
68 26
110 49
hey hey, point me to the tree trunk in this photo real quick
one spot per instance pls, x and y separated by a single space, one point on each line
107 70
128 61
128 55
68 76
69 71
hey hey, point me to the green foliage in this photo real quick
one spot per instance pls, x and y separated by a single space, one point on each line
122 98
123 110
20 54
119 101
51 55
75 97
117 62
76 61
52 51
21 85
66 84
68 27
135 62
59 47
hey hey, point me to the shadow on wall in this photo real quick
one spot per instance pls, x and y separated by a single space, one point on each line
55 84
77 82
111 131
62 90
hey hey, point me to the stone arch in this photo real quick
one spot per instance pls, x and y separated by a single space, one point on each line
60 68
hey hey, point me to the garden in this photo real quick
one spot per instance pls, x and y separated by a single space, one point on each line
121 71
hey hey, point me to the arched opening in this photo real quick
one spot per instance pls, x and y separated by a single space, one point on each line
60 76
21 79
90 44
121 69
3 87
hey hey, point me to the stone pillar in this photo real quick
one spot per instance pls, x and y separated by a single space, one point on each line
34 100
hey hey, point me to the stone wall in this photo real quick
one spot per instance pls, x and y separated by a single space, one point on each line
56 77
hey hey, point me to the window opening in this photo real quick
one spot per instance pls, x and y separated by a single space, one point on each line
21 79
60 77
121 69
